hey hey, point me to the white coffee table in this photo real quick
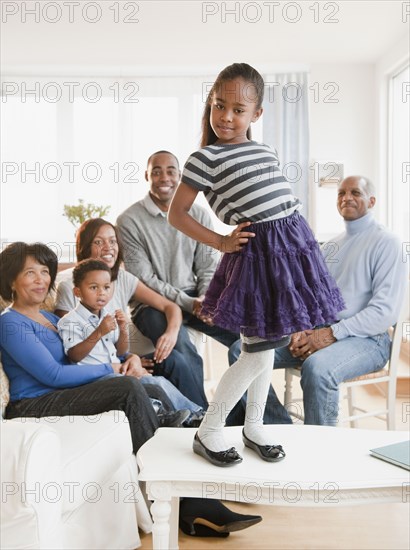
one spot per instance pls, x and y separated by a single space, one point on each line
323 467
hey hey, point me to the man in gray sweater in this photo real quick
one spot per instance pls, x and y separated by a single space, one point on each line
178 268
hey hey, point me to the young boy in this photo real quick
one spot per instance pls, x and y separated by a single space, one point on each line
91 333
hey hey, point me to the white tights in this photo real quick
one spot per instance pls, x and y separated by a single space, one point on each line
252 372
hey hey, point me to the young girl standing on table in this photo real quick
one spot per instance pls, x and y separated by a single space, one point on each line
271 281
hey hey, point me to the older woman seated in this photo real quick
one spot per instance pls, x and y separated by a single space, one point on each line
42 380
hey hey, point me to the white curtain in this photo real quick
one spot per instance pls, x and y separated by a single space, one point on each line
286 128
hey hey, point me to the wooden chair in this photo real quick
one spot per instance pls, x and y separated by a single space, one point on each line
388 375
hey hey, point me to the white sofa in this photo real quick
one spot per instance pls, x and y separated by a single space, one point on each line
69 483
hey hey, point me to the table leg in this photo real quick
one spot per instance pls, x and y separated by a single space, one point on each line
174 524
160 511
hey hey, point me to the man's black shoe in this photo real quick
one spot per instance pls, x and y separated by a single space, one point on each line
194 420
173 419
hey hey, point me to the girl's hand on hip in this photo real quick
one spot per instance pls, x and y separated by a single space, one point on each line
236 240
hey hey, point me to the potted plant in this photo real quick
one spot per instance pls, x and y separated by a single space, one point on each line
78 213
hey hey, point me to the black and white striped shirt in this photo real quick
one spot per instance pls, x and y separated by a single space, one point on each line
241 182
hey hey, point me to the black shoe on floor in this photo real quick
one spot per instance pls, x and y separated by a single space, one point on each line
200 517
270 453
173 419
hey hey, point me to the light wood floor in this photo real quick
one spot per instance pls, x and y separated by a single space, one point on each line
375 526
370 527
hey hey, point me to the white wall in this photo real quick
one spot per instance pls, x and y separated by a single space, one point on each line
164 34
354 130
341 131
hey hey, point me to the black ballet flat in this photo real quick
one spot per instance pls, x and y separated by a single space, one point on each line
270 453
210 518
221 458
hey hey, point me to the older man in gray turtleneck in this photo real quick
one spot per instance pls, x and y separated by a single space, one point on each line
366 262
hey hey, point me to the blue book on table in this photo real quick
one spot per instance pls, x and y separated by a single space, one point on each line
398 454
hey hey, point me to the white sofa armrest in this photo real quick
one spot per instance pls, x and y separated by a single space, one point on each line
32 490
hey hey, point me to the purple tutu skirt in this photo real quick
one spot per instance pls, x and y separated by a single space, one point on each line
276 285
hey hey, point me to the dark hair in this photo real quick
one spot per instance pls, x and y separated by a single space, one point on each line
84 239
13 258
236 70
161 153
85 266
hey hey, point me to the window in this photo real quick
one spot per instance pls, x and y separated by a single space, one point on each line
71 138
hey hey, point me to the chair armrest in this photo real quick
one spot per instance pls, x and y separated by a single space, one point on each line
32 489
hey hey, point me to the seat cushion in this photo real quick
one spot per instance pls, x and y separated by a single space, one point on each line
93 448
